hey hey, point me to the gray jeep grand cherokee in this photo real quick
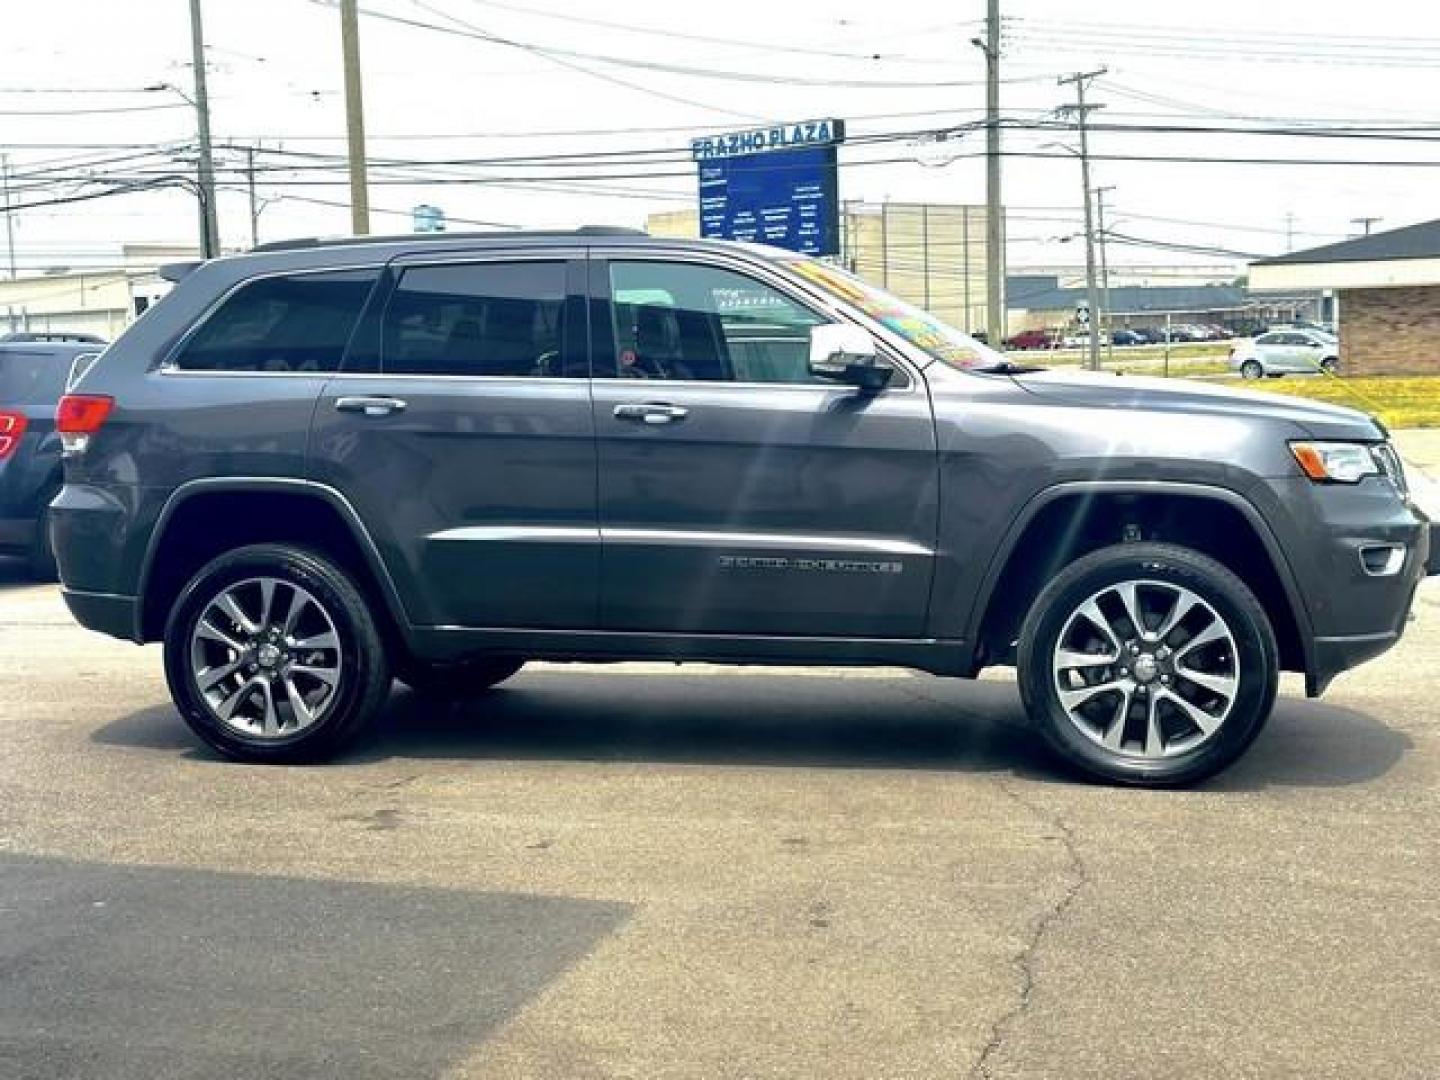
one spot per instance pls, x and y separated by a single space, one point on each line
320 465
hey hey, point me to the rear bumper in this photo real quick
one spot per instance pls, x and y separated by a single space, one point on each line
106 613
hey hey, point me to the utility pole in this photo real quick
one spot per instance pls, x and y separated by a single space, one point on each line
209 222
1364 222
354 117
1105 324
9 221
1080 80
994 226
250 188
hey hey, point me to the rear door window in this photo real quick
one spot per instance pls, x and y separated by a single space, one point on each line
497 319
283 324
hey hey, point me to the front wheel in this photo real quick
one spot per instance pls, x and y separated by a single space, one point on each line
272 655
1148 664
1251 369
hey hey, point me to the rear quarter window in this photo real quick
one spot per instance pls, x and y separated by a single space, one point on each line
287 323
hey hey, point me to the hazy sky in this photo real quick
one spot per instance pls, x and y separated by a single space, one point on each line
275 79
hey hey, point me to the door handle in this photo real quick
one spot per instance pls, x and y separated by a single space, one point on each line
370 406
652 412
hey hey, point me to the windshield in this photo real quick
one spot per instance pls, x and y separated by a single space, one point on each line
916 325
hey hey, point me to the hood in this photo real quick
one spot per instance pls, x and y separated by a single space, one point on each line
1098 390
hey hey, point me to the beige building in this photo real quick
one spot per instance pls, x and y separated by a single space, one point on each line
1387 287
102 300
932 255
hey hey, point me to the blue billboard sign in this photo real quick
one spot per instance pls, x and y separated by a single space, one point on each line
776 185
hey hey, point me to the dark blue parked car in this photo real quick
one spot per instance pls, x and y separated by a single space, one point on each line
32 379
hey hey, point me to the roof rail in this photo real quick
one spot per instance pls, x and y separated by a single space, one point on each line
436 237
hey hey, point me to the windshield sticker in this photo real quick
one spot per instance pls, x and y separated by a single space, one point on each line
914 324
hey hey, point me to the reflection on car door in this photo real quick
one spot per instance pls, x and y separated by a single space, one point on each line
738 494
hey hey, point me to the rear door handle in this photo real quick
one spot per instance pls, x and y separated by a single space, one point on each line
370 406
652 412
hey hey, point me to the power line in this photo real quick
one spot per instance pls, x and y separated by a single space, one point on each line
470 30
97 111
679 35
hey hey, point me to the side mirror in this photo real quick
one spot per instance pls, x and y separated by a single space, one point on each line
847 354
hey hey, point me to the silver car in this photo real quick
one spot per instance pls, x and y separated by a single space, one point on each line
1285 352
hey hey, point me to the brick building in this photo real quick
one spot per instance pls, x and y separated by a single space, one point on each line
1387 287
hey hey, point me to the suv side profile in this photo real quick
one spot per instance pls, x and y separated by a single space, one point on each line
319 466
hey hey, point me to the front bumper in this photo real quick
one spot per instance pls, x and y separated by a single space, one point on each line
1358 557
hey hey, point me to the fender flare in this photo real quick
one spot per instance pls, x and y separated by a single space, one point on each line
1043 498
206 485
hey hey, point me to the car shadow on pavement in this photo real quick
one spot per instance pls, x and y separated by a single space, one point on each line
779 720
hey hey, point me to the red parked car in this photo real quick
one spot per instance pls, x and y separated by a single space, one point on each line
1032 339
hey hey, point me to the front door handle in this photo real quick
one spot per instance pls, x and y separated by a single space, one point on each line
370 406
652 412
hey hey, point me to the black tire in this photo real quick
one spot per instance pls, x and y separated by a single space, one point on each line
42 553
1330 365
1173 568
1251 369
363 681
462 679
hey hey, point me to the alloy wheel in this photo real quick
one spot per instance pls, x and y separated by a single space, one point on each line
1146 669
265 658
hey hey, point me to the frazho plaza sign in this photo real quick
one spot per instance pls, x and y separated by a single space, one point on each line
773 185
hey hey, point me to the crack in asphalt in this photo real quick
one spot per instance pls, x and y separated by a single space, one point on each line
1024 960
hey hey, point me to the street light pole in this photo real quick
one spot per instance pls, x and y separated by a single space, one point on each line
354 117
1104 322
1081 111
9 219
250 189
994 234
209 221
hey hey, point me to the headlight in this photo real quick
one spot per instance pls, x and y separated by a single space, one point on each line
1346 463
1389 462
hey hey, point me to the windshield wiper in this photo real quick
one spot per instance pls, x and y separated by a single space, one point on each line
1005 367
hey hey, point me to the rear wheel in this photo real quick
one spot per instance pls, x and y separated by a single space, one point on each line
1330 365
461 679
272 655
1148 664
1251 369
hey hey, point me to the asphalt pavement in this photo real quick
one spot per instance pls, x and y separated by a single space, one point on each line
655 871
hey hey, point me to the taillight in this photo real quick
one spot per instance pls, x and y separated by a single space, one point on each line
78 417
12 426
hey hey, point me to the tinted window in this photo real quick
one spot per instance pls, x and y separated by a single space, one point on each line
683 321
1269 339
299 322
27 373
503 319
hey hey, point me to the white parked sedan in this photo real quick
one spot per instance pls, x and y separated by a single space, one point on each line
1284 352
